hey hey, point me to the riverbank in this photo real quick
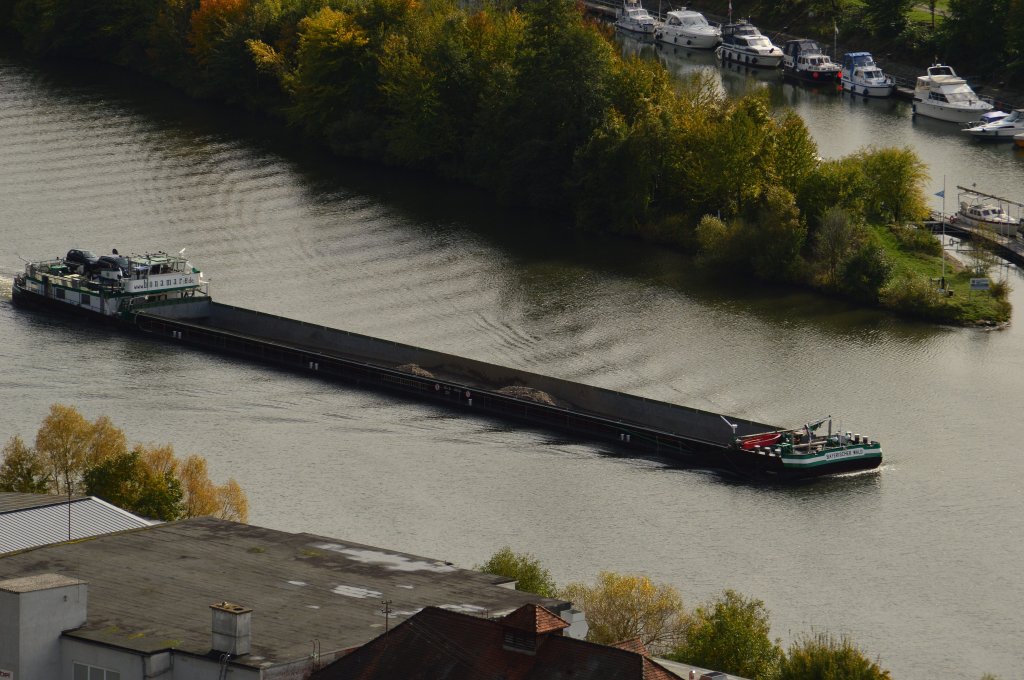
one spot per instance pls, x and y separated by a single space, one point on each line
540 112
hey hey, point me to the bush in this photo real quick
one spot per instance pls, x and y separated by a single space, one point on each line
530 576
823 657
914 238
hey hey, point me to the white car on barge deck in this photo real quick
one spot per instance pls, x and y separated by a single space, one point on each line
108 286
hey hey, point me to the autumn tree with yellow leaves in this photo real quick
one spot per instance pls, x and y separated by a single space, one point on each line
74 455
623 607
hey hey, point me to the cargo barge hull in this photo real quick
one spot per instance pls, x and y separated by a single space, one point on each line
690 437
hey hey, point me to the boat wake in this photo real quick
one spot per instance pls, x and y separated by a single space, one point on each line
6 283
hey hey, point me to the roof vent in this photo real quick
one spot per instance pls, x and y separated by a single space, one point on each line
232 628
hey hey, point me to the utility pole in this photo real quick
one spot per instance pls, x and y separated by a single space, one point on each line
386 611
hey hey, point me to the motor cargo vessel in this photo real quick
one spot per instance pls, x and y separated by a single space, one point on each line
165 296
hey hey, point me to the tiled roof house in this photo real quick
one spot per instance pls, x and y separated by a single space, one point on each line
438 644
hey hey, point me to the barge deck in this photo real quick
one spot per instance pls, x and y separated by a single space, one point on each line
685 435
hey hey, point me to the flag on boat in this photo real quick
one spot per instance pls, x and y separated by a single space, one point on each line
835 27
941 194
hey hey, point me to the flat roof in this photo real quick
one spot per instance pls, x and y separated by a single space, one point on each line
151 588
30 584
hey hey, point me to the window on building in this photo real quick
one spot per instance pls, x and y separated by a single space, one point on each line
86 672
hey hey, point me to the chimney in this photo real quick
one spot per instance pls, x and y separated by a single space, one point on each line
232 628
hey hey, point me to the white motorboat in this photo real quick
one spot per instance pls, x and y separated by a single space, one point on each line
635 19
742 43
943 95
1003 129
988 215
690 29
861 75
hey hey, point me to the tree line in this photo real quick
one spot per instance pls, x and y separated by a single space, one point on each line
730 633
72 455
531 101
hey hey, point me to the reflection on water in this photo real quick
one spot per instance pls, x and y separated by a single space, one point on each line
913 561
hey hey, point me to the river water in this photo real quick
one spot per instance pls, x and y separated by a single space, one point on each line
919 562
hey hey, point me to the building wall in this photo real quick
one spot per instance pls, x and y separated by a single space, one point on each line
188 667
166 665
73 651
10 638
30 636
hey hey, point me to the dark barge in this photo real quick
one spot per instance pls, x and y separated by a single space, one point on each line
690 436
163 296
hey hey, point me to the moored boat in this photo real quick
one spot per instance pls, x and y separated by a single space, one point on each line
802 453
635 19
804 60
943 95
1002 130
743 43
108 286
987 214
164 296
861 75
689 29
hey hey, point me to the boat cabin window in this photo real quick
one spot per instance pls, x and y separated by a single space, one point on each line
959 98
937 96
941 71
674 21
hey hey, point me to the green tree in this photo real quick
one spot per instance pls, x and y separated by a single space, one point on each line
527 570
624 607
888 18
778 237
866 272
126 481
893 184
333 81
795 151
836 239
832 184
975 34
823 657
731 634
21 469
526 142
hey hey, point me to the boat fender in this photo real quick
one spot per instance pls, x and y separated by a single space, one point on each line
437 387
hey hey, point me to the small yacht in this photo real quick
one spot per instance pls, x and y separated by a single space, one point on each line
635 19
1003 129
690 29
743 43
943 95
988 215
804 60
861 75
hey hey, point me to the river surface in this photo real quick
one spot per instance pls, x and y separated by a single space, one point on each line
919 563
